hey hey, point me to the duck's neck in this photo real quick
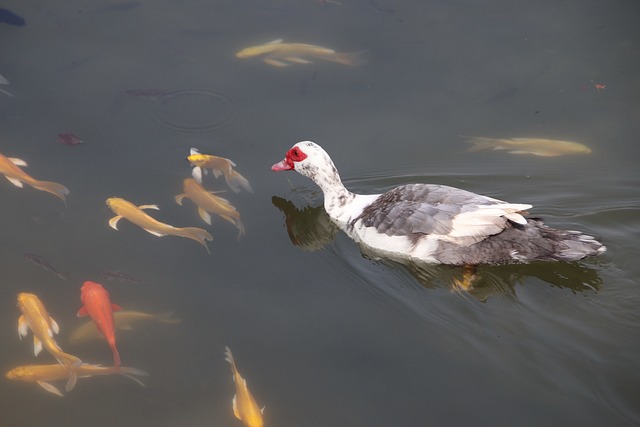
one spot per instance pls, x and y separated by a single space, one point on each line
336 195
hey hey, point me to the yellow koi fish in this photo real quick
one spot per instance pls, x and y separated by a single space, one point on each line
281 54
36 318
42 374
125 209
535 146
208 202
123 320
9 167
245 407
219 166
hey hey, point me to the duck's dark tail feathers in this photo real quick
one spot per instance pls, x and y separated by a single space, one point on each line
568 245
522 243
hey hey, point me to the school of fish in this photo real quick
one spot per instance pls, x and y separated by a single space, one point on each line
108 319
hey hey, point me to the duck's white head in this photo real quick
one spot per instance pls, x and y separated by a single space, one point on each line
309 159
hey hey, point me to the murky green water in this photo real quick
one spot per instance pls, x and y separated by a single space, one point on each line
323 335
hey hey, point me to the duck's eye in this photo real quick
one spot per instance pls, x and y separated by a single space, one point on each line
297 155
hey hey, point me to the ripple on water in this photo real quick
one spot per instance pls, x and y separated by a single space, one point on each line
194 110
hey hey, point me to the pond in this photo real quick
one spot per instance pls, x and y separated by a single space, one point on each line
323 334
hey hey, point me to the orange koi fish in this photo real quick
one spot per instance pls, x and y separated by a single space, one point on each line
279 54
125 209
219 166
245 407
36 318
9 167
97 304
208 202
43 374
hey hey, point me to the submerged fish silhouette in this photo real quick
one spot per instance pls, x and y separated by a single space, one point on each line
38 260
11 18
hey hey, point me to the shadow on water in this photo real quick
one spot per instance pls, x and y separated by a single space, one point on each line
311 229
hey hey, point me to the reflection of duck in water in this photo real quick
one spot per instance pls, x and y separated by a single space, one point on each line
308 228
436 224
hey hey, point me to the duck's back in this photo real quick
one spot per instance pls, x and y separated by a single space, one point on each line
447 225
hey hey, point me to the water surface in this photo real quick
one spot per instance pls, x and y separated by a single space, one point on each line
324 335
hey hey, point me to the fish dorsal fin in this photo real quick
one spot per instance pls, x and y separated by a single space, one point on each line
149 207
54 325
37 346
50 388
18 162
235 407
193 151
15 182
276 41
23 326
220 199
113 222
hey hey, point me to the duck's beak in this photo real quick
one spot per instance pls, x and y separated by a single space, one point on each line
282 166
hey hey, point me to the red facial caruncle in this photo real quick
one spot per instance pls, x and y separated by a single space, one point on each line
295 154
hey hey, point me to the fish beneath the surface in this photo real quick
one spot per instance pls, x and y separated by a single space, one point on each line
69 139
219 166
96 303
9 17
125 209
10 168
279 54
536 146
4 81
122 320
43 374
245 407
38 260
207 202
119 275
36 318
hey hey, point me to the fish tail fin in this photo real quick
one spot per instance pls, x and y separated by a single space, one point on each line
131 372
167 318
116 355
54 188
235 220
240 227
228 356
198 234
482 143
353 59
235 181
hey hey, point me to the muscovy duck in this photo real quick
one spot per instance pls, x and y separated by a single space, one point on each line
436 223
